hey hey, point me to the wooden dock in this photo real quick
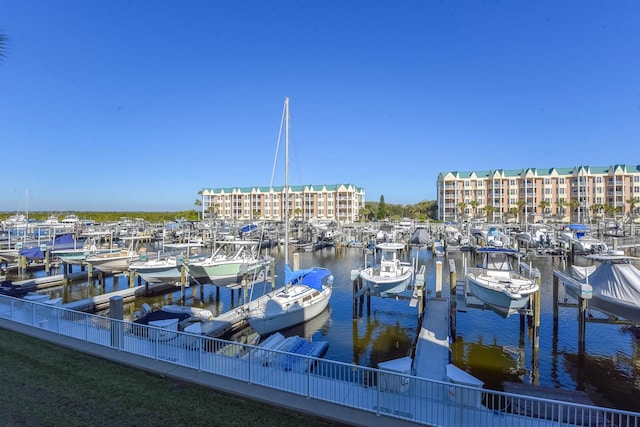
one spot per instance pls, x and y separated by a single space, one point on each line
432 348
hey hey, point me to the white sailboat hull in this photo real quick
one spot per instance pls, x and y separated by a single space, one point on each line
287 307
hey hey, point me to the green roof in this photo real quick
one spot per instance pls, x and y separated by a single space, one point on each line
542 171
279 188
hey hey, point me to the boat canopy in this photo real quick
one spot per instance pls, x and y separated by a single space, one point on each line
63 241
578 227
311 277
248 228
616 280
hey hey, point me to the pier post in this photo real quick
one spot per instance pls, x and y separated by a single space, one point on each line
536 315
453 304
22 265
438 279
47 260
116 279
132 278
245 288
555 285
273 275
356 287
452 278
582 320
116 313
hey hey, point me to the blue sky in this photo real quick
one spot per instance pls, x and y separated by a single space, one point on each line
137 105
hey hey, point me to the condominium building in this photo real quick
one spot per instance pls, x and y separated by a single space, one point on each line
340 202
577 194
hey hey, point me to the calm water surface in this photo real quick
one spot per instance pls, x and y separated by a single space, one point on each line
492 348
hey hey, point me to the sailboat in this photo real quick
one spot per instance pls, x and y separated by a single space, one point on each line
305 293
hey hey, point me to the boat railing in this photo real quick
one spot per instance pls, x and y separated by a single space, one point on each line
392 394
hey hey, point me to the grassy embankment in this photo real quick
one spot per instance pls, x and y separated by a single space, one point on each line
47 385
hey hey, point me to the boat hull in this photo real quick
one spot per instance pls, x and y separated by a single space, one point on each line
503 302
380 285
112 264
272 312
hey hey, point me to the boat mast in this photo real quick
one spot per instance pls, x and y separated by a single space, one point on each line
286 181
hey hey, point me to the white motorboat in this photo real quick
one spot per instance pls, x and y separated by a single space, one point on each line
304 294
92 245
118 262
497 284
220 267
579 236
615 285
390 276
164 269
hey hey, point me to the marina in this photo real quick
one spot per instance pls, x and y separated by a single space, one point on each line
493 350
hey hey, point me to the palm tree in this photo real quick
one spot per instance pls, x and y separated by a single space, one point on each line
521 203
560 208
632 202
574 204
610 210
489 210
544 206
198 202
462 206
474 205
514 213
596 209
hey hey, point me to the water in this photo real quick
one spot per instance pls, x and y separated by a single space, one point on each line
488 346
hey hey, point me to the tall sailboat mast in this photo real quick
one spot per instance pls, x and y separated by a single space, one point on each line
286 180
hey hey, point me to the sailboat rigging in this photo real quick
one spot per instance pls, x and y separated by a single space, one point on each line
305 292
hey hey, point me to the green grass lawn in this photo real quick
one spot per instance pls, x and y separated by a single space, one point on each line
46 385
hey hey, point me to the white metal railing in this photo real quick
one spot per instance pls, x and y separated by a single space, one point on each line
385 393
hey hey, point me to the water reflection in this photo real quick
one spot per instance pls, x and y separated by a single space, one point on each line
491 362
609 381
492 348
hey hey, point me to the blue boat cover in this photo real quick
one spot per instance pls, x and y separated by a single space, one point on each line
578 227
311 277
248 228
63 241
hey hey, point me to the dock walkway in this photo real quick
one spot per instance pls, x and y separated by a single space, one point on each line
432 349
343 392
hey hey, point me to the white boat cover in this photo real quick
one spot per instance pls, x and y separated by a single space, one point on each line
616 280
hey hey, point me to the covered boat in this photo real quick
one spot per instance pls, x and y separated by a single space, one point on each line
615 285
